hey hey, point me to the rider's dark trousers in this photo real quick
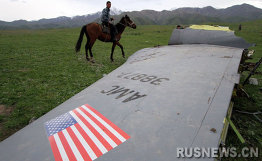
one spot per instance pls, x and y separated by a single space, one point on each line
113 30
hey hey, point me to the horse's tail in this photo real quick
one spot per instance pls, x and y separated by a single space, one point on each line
80 39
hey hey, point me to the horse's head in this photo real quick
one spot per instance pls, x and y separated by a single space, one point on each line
128 22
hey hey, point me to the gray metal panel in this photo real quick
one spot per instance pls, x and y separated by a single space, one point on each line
194 36
178 112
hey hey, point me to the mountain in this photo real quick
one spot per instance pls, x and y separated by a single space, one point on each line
231 14
237 13
188 15
150 17
115 11
59 22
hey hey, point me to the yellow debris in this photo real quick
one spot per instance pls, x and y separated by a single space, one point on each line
208 27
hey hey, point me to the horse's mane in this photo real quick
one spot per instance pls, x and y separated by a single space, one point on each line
121 20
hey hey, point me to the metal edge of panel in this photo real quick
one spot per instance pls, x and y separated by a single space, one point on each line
226 124
211 37
222 140
224 132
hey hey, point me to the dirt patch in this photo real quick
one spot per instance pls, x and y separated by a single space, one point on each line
24 70
226 57
5 110
213 130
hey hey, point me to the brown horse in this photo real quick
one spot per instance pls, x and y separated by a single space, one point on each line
94 31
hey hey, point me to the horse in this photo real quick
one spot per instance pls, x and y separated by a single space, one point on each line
94 31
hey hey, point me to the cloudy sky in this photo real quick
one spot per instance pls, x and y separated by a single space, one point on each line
11 10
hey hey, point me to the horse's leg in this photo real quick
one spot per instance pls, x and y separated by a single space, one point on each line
112 51
123 53
90 50
86 47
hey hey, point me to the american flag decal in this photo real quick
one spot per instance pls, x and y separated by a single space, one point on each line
83 134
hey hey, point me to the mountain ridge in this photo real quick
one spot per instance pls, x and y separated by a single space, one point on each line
185 15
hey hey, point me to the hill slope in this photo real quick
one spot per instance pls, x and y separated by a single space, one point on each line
235 13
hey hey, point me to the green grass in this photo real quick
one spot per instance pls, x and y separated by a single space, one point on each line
40 70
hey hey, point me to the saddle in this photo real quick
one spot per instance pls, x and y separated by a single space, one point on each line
105 29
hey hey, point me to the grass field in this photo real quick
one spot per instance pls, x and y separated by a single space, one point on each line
40 70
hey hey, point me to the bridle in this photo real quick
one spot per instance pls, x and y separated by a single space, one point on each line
129 24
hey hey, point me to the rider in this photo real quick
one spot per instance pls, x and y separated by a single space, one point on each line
106 20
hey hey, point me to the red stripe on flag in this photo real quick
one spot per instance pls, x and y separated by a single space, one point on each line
55 148
125 135
66 146
89 140
93 130
78 144
112 136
